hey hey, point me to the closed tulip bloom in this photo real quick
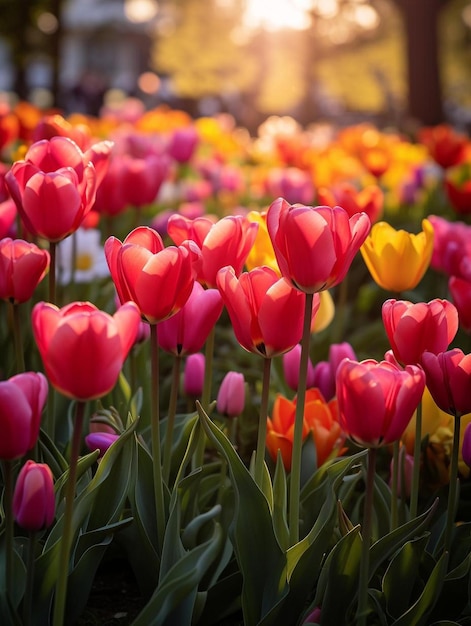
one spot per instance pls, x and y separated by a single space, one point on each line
22 399
291 363
231 395
314 246
34 503
377 400
187 331
449 380
100 441
460 290
226 242
413 328
83 348
396 259
53 188
158 279
265 311
22 267
193 378
142 178
183 143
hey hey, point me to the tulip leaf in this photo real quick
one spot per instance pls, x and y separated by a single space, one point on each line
419 612
51 455
261 560
173 601
280 503
401 575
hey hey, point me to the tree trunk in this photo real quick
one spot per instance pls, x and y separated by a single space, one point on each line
425 104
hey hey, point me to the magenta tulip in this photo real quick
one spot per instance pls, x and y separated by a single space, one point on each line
34 502
449 380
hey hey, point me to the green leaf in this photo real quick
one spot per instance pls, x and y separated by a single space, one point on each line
261 560
280 504
419 612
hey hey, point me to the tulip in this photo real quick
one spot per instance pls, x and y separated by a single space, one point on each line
451 247
291 363
53 187
320 418
314 246
159 280
325 371
231 395
183 144
460 290
466 447
458 191
194 375
22 399
187 331
83 349
445 145
22 267
226 242
7 218
413 329
34 502
142 178
265 311
448 379
377 400
110 199
396 259
368 200
292 183
100 441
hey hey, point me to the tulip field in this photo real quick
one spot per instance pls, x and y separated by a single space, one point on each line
237 367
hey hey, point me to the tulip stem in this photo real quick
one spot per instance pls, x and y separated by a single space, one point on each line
295 479
451 509
19 354
9 538
52 272
155 434
366 539
68 531
262 424
414 492
394 484
172 408
29 578
206 395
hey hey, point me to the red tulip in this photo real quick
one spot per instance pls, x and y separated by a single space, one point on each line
226 242
460 290
449 380
22 399
159 280
83 349
7 218
314 246
53 187
414 328
110 198
22 267
186 331
445 145
369 200
377 400
265 311
34 502
142 178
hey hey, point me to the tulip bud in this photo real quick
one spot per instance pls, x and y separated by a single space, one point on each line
100 441
291 363
33 499
231 395
193 379
466 448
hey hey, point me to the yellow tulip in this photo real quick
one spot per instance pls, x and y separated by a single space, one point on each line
397 259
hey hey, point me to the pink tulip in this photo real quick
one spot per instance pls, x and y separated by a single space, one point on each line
34 502
22 399
183 144
460 290
142 178
265 311
187 331
376 400
291 364
449 380
83 349
414 328
314 246
231 395
22 267
193 379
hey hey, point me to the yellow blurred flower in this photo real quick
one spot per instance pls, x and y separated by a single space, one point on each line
397 259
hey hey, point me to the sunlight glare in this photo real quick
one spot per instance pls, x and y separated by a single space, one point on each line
277 14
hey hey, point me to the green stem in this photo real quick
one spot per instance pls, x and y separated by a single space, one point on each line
19 353
451 509
27 599
414 492
155 435
262 424
366 540
295 479
172 409
338 326
394 484
52 272
206 395
9 536
68 531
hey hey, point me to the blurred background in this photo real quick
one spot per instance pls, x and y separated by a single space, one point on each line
400 63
